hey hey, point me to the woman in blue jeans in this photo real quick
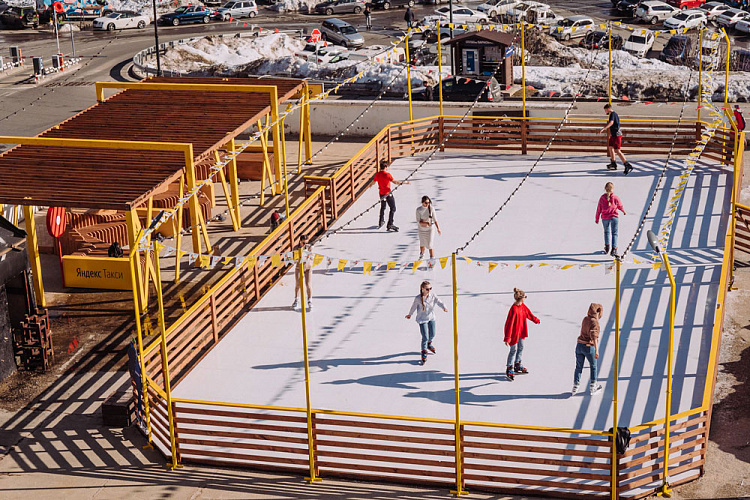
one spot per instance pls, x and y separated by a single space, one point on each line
587 348
424 305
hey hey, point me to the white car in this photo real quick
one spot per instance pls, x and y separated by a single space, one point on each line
689 19
639 43
237 9
497 8
742 26
520 11
462 15
653 11
731 17
714 9
322 52
573 27
121 21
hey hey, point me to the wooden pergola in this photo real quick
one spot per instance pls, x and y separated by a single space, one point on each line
119 153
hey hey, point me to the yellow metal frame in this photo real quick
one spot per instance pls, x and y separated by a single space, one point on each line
440 70
459 479
310 436
618 291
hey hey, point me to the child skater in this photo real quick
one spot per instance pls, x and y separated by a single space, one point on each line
515 332
587 348
424 304
425 220
609 204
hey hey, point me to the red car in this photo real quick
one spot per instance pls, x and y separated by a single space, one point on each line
686 4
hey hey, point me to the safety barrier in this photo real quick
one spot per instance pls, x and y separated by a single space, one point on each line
478 455
742 228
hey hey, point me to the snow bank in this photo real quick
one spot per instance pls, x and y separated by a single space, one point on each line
68 27
295 5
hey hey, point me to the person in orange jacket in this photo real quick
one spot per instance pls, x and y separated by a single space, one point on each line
515 332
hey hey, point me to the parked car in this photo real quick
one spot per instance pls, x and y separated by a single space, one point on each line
731 17
462 15
341 32
321 52
739 60
542 15
677 50
340 7
573 27
654 11
519 12
458 88
121 21
497 8
743 26
387 4
600 40
186 15
686 4
21 17
627 7
429 33
236 10
689 19
639 43
714 9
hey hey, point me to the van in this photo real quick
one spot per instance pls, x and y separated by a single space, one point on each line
338 31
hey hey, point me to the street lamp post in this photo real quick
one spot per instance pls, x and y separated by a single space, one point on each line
156 40
666 491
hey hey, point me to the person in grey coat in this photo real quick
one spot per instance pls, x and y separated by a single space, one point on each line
424 305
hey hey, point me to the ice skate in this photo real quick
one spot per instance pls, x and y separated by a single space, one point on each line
612 165
393 228
509 373
421 256
595 389
613 253
606 249
431 348
309 305
424 358
574 390
380 224
295 304
517 368
628 167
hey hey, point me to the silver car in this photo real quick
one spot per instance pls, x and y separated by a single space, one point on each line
236 10
340 7
654 11
341 32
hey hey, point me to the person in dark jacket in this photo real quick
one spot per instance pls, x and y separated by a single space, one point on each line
409 17
587 348
368 16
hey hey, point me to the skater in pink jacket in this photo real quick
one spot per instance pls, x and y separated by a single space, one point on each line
609 204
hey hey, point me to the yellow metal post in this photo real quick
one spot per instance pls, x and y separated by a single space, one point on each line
165 361
666 490
308 127
234 184
139 336
408 76
523 68
178 232
440 70
609 34
194 205
617 379
301 133
284 173
134 226
276 137
726 77
32 246
700 73
459 461
310 437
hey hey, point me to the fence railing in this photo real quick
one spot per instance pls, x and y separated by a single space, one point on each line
522 459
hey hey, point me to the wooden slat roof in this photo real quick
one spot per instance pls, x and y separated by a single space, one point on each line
121 179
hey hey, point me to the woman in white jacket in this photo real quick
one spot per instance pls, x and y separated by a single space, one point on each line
425 220
424 305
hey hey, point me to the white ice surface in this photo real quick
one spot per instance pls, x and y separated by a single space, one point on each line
364 353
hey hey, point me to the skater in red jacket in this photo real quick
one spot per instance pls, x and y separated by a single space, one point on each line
516 331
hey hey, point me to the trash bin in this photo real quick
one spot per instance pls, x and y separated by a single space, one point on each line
15 55
38 66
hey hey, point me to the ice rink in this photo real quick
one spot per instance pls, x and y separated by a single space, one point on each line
364 354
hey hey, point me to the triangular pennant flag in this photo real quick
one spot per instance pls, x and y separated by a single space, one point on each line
191 258
227 260
366 267
390 265
276 260
317 259
215 260
415 266
170 251
342 264
158 246
491 265
205 260
656 265
518 266
468 260
443 261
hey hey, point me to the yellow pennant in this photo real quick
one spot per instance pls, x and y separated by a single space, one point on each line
492 265
596 265
468 260
342 263
276 260
366 267
182 253
443 261
159 247
317 259
656 265
297 254
227 260
390 265
251 262
205 260
567 266
518 265
542 264
415 266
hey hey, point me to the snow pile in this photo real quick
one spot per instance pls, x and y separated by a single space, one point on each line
68 27
295 5
222 54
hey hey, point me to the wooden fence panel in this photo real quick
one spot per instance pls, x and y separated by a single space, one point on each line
742 229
